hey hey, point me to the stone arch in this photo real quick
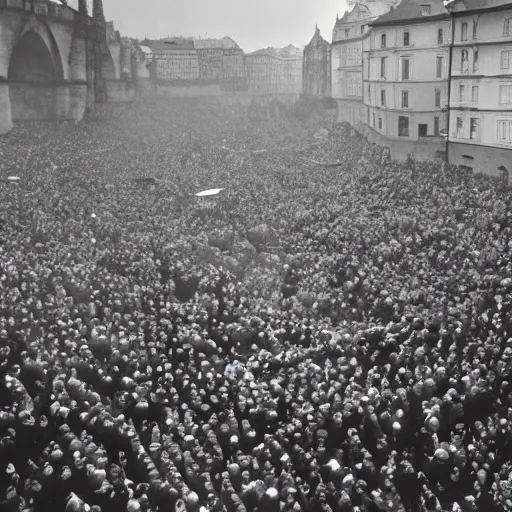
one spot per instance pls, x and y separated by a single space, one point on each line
33 25
35 66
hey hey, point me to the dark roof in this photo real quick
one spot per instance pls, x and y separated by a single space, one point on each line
170 44
409 10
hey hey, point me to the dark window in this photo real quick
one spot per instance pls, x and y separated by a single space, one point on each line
439 67
380 123
422 130
406 38
383 67
438 98
362 29
383 98
405 69
383 41
436 126
405 99
403 126
474 127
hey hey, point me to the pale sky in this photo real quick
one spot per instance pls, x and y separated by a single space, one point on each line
253 24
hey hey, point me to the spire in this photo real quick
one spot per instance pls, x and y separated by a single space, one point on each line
97 10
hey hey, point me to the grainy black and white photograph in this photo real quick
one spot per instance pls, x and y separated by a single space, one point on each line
255 256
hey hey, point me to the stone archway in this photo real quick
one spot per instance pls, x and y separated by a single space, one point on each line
32 75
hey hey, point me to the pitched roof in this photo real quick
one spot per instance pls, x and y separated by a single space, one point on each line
225 42
288 52
412 9
471 5
366 9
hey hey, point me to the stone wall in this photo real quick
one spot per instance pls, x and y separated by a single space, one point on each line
484 159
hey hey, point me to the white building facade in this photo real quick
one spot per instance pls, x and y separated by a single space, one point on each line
406 77
480 115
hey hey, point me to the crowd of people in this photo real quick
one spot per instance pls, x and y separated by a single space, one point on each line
314 338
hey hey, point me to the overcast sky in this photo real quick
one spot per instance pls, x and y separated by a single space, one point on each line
253 24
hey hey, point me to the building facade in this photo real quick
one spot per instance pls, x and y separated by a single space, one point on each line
347 58
316 68
222 60
174 59
480 115
272 71
406 76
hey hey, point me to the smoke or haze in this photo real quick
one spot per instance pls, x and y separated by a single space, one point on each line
252 24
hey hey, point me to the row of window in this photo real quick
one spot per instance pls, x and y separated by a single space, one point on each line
505 94
362 29
403 126
406 38
474 93
405 98
507 29
464 60
504 129
464 31
474 128
405 68
505 64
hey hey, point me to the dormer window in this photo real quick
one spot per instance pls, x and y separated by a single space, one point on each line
347 32
425 9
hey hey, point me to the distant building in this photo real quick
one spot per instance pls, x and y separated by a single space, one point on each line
406 77
275 71
174 59
221 60
347 58
480 110
316 68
